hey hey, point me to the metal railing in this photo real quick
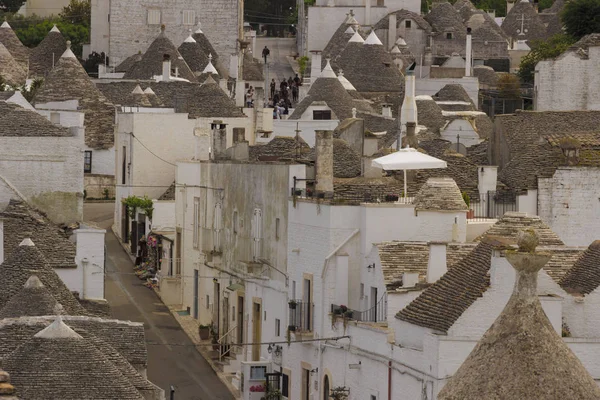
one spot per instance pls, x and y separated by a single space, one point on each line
302 316
376 314
225 343
491 205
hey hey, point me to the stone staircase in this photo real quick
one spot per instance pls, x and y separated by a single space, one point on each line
230 365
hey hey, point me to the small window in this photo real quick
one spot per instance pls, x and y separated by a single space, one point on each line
189 17
277 327
153 17
408 23
207 301
285 385
362 290
87 162
277 232
124 166
321 115
373 397
233 313
449 35
258 373
235 222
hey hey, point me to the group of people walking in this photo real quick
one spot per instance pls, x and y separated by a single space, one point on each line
280 99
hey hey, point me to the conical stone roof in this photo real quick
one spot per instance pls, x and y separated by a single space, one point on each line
532 25
212 101
151 63
9 39
10 70
370 68
137 98
57 363
339 40
25 261
33 300
205 45
47 53
153 98
129 62
521 356
69 81
193 55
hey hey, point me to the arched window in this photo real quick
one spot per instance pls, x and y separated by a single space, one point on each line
326 388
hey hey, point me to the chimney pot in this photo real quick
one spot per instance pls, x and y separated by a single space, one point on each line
324 162
411 137
219 143
437 264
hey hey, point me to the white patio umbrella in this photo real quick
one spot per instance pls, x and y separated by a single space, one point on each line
408 159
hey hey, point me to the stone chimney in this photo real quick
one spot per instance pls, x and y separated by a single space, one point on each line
239 135
166 69
411 135
410 279
315 65
367 12
386 110
1 240
393 25
202 144
469 53
408 112
437 265
324 163
219 139
487 178
509 5
55 117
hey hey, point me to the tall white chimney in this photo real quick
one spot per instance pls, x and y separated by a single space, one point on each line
436 266
166 70
324 162
368 12
408 112
469 53
393 21
315 65
1 240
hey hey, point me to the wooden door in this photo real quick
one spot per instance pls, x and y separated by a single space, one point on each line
256 330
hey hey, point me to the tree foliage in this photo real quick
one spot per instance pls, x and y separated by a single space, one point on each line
78 12
11 6
542 50
32 31
581 17
276 15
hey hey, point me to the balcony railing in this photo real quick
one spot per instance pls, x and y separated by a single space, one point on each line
376 314
302 316
491 205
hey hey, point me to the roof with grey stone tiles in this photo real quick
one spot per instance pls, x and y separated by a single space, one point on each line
27 260
128 338
129 62
441 304
338 41
33 300
151 63
398 258
11 41
169 194
43 57
16 121
59 363
401 15
23 221
252 69
439 194
10 70
584 277
279 147
444 18
533 24
69 81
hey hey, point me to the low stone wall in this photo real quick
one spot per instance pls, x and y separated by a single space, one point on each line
95 184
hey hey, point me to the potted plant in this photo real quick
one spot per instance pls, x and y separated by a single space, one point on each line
348 314
204 332
292 304
467 200
292 328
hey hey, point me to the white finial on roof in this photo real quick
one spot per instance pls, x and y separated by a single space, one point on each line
210 68
137 90
345 82
351 20
68 53
33 282
199 30
5 25
350 30
189 39
396 50
328 71
26 242
401 42
149 91
58 330
356 38
54 29
373 39
354 112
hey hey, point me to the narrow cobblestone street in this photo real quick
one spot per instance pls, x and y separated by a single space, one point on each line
172 357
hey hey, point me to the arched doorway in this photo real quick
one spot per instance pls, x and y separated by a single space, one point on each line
326 388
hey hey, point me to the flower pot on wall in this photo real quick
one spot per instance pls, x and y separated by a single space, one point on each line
204 332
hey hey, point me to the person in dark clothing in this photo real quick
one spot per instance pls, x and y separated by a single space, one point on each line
283 85
295 92
265 53
297 80
290 81
276 98
273 86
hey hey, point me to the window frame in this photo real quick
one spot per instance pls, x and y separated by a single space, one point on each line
150 12
321 115
188 17
87 169
408 24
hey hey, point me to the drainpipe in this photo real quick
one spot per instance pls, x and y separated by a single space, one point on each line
390 380
323 274
84 264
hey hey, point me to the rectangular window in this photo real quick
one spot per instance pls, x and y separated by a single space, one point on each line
87 162
285 385
189 17
362 290
277 228
153 17
321 115
449 35
258 373
196 222
277 327
124 166
407 23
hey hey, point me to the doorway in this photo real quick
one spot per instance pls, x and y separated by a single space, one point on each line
373 307
256 326
195 307
326 388
240 320
305 393
216 308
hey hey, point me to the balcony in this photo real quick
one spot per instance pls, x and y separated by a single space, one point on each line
302 316
375 314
